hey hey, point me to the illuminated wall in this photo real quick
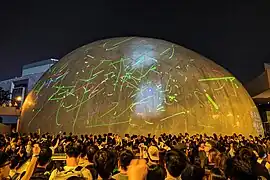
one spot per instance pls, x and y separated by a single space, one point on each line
139 85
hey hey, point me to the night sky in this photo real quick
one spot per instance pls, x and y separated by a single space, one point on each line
236 36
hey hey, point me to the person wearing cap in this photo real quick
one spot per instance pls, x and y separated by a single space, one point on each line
153 155
4 166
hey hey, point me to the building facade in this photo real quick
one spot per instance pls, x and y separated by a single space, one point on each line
259 90
19 87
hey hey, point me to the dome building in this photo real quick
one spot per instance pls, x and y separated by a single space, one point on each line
138 86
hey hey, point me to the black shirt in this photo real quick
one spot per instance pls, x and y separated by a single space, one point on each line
260 170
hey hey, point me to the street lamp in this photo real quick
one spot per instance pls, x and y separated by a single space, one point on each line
19 98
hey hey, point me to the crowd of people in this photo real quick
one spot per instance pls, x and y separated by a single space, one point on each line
112 157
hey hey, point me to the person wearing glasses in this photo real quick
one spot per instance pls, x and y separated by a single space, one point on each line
4 166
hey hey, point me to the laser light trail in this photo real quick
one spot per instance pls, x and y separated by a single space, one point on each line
217 79
212 101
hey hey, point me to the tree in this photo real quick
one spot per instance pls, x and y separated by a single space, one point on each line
4 97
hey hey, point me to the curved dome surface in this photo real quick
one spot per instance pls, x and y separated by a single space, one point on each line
138 85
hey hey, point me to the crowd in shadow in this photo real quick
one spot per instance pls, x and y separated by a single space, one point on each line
111 157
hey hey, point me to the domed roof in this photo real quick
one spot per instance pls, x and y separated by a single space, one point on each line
139 85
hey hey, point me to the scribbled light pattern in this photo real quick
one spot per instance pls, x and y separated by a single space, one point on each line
139 85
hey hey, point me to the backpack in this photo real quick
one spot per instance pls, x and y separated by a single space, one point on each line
93 171
62 174
263 162
38 175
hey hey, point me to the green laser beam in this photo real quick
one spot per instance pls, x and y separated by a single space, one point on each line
231 78
212 101
176 114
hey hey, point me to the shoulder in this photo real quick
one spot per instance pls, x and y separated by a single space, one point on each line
86 173
79 168
53 174
115 176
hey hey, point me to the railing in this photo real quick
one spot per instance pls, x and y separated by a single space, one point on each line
9 111
59 157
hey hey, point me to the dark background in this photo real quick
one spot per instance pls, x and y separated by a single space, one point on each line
235 35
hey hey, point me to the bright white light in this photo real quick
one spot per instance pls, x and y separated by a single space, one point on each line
149 100
141 57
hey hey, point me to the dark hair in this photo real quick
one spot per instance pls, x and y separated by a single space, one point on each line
83 148
105 162
2 142
54 142
247 155
220 161
156 172
213 154
44 156
261 151
91 150
239 169
175 164
192 172
4 158
162 153
73 150
212 143
14 161
125 158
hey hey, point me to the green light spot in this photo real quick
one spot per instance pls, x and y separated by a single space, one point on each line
172 98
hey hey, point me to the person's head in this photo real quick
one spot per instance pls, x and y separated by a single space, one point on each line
261 152
45 156
212 154
220 161
174 163
162 153
73 152
14 162
209 145
233 146
19 142
91 150
247 155
2 143
105 161
201 146
238 169
4 165
13 146
156 172
125 158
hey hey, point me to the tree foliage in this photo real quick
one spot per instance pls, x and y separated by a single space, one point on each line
4 97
